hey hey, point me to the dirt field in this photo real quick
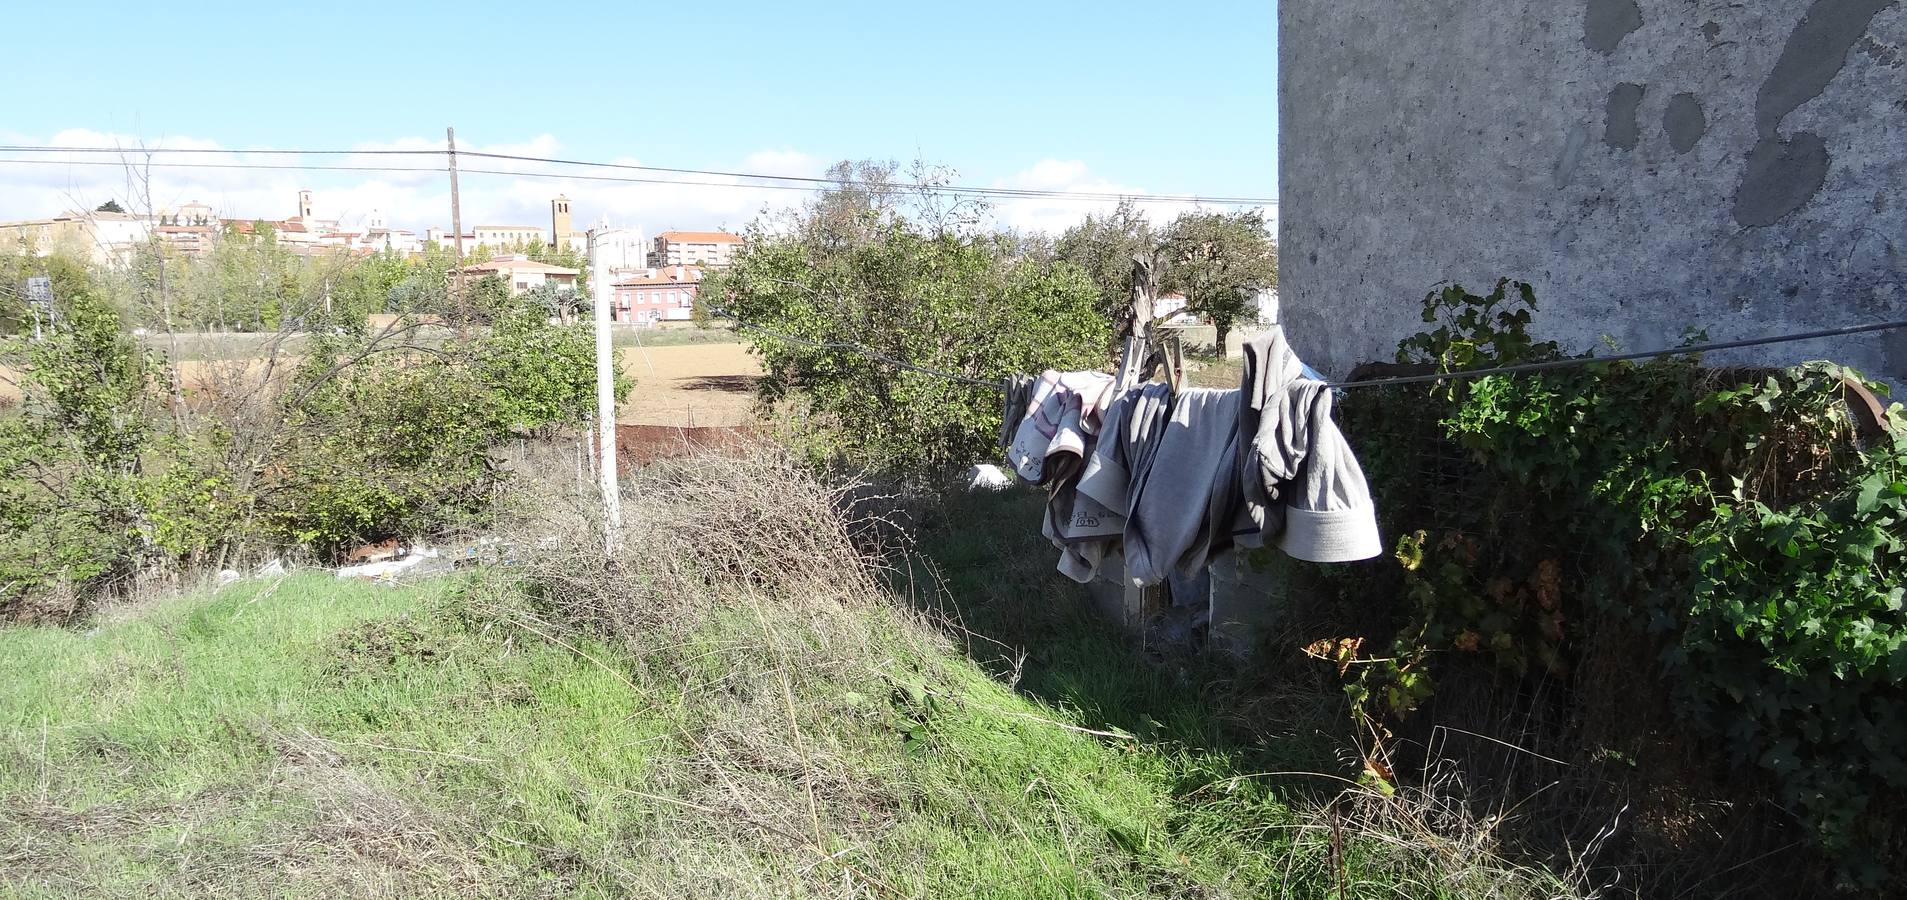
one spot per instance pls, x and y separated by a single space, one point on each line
690 385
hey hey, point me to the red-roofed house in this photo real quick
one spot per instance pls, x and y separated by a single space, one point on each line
523 274
693 248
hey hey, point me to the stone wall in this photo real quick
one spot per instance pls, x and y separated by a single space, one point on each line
1738 166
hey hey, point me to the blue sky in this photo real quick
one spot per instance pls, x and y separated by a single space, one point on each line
1085 96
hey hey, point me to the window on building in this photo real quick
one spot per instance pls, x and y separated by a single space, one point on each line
522 285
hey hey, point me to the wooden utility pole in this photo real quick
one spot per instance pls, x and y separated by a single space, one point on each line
456 214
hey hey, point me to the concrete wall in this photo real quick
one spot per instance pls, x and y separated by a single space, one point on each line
1649 165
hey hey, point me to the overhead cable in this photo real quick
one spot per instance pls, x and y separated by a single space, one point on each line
799 182
1578 361
1551 365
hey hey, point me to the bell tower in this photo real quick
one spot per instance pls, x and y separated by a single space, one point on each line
559 221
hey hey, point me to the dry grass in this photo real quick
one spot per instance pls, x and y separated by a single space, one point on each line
735 702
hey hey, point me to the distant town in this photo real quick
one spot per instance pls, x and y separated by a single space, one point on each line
653 280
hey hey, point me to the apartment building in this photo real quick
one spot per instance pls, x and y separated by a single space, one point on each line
693 248
498 237
650 296
107 238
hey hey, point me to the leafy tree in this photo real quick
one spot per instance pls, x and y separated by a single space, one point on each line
563 303
857 265
1104 247
70 463
1219 261
111 206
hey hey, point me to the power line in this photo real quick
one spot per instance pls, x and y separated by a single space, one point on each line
137 151
431 169
187 165
1551 365
1620 357
807 182
1031 192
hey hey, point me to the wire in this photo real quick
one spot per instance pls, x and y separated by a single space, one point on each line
25 148
807 182
460 171
173 165
1410 379
1029 192
857 348
1640 354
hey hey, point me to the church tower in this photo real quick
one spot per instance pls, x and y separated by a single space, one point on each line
559 222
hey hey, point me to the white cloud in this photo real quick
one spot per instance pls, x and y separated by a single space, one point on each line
417 194
1056 214
492 191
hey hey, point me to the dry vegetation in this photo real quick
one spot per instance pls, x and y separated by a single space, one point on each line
741 701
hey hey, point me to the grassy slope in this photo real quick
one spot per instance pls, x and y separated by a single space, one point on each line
317 738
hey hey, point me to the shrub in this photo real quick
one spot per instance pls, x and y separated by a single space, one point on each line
959 303
1726 513
367 436
70 463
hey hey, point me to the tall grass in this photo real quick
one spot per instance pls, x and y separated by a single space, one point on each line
739 702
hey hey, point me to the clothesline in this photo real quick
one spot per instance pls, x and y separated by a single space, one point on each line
1619 357
1409 379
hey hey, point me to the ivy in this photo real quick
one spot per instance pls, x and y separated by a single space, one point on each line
1726 514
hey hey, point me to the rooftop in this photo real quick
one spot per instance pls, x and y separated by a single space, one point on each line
699 237
669 278
519 264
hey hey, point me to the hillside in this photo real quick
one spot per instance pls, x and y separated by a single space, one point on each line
787 730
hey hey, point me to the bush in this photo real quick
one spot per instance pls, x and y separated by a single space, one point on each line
70 464
1726 516
364 437
962 304
386 445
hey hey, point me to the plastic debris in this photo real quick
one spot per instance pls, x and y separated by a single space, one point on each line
988 477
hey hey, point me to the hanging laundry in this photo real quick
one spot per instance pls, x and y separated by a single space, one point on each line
1063 412
1019 392
1089 523
1180 504
1134 423
1298 481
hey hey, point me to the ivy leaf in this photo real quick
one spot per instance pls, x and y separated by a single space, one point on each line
1869 497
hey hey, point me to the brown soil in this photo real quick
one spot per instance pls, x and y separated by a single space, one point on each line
692 385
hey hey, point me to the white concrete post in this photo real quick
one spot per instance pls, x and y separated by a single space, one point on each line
606 422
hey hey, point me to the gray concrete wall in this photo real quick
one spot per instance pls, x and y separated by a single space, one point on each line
1649 165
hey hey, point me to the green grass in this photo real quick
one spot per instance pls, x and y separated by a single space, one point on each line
320 738
673 337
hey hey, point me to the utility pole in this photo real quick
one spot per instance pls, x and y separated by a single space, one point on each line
606 422
456 214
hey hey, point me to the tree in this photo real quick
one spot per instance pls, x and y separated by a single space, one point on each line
1219 261
1104 247
857 266
111 206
